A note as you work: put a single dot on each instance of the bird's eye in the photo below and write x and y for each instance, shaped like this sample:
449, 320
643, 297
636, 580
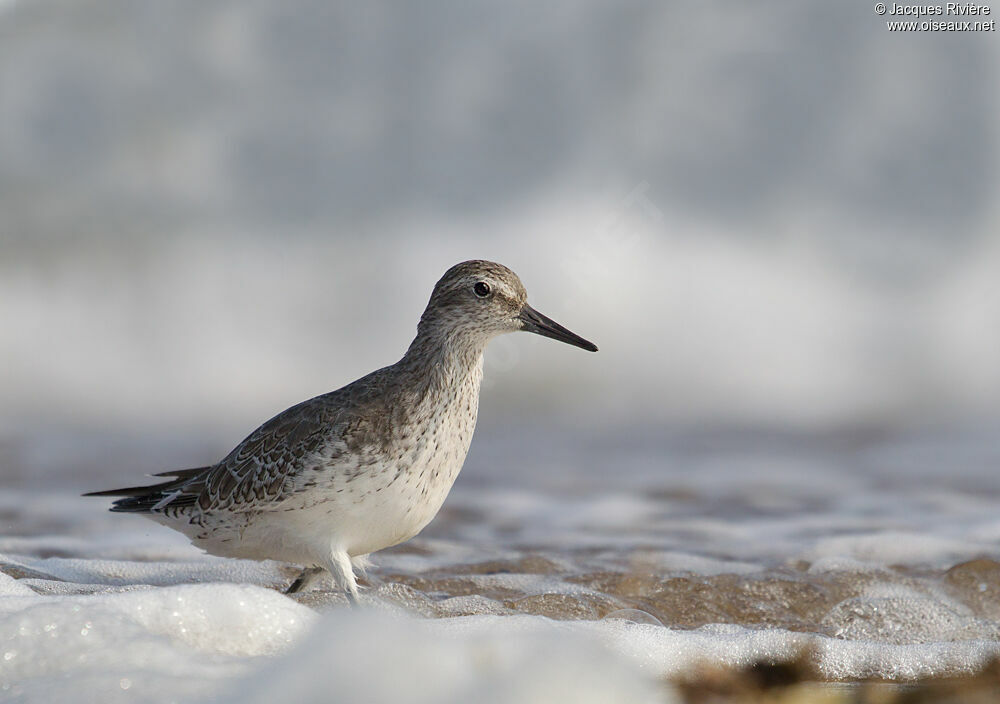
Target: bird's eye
482, 289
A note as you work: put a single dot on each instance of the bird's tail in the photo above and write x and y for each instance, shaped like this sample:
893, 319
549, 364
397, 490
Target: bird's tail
143, 499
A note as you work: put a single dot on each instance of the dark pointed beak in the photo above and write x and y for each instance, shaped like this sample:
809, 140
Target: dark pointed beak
533, 321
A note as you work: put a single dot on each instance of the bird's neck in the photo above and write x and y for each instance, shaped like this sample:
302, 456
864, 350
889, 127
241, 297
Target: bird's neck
445, 362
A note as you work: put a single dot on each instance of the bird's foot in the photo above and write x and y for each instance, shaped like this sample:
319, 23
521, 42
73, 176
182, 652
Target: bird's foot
302, 582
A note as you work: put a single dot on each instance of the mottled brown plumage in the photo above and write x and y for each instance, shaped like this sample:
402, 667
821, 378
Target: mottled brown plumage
364, 467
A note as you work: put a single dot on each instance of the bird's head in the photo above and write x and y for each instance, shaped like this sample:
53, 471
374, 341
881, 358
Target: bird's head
482, 299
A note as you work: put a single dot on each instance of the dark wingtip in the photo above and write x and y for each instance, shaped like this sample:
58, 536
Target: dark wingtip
128, 491
108, 492
180, 477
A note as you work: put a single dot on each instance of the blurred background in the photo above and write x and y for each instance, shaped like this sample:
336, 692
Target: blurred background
776, 216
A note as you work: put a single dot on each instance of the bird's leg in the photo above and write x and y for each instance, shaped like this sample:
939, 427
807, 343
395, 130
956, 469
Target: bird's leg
343, 573
302, 582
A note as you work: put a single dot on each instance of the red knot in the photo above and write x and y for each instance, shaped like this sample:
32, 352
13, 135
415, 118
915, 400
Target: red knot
328, 481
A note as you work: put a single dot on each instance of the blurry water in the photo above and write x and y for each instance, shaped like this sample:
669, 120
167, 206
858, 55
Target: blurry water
887, 537
782, 215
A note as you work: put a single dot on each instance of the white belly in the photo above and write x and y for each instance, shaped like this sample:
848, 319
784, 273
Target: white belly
359, 508
370, 515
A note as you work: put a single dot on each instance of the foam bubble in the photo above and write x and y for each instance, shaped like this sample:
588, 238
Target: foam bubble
364, 657
169, 644
12, 587
156, 573
637, 616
